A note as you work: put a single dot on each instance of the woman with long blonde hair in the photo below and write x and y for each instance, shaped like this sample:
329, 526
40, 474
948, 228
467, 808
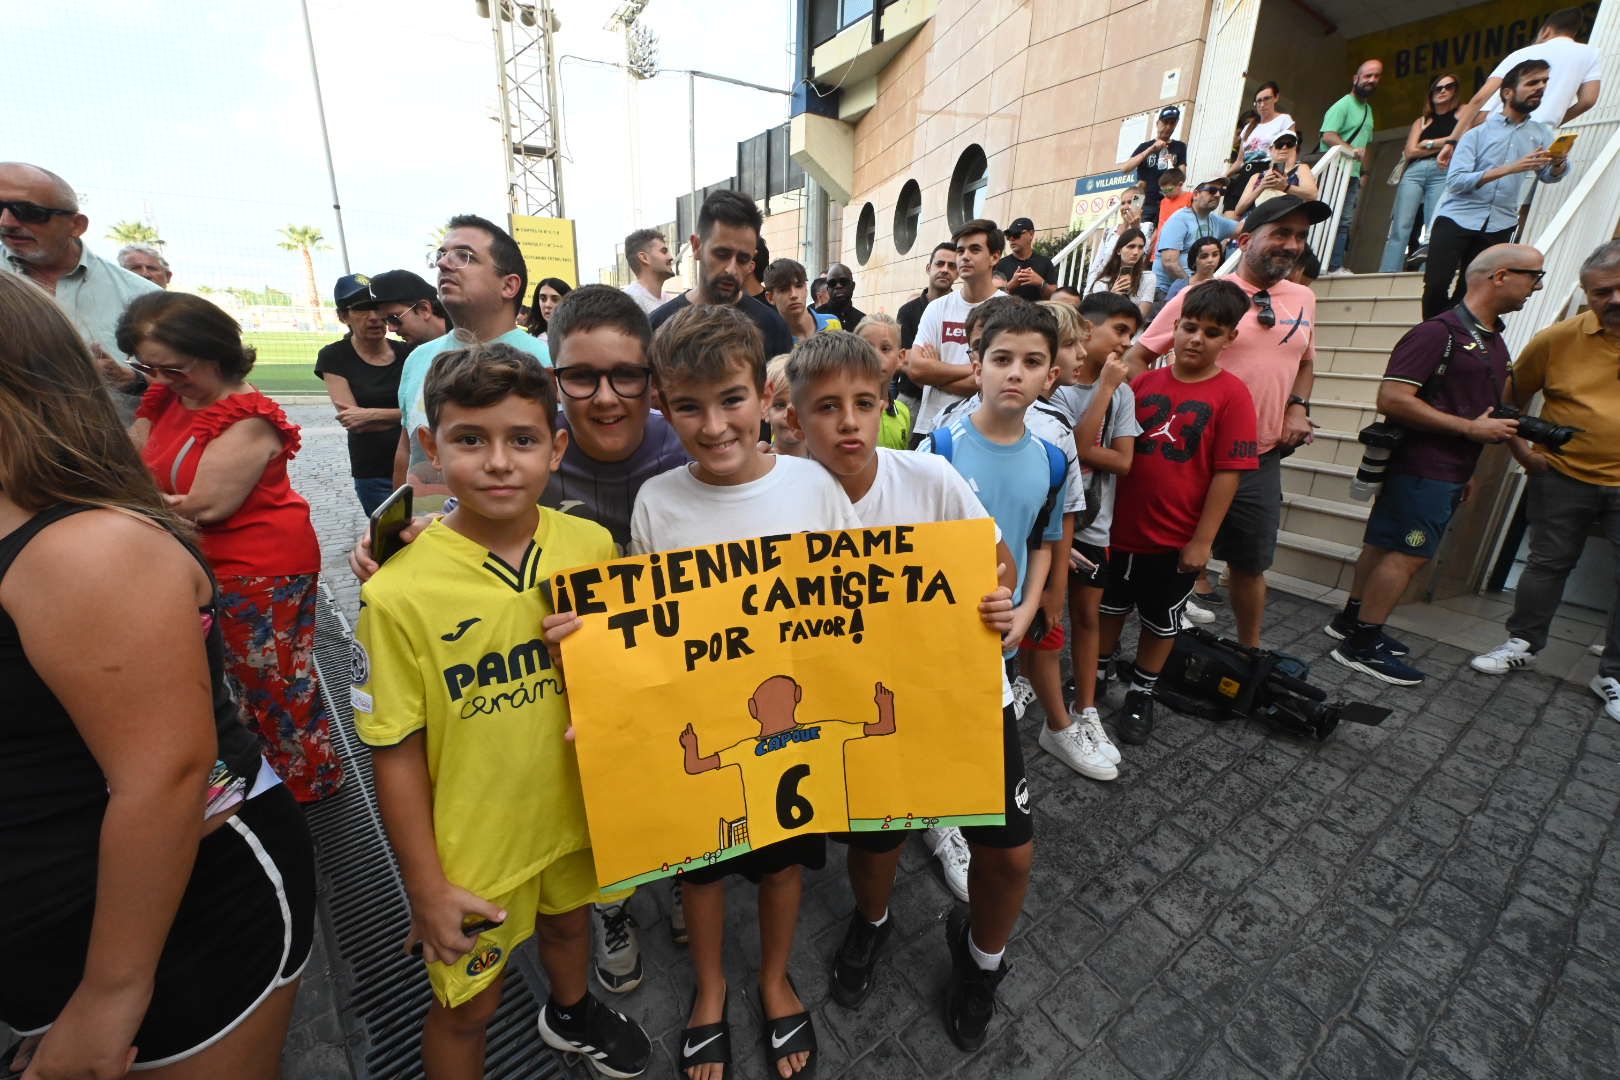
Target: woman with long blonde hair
157, 878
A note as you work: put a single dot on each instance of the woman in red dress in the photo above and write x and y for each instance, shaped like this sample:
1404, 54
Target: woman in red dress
219, 451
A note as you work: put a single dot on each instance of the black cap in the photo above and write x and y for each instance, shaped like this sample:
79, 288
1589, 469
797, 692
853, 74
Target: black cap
401, 287
1019, 226
1280, 207
352, 289
1171, 113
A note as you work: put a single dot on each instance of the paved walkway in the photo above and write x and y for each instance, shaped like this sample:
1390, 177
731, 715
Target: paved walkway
1438, 897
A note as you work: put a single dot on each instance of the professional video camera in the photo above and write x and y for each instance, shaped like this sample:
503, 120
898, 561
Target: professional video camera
1218, 679
1534, 428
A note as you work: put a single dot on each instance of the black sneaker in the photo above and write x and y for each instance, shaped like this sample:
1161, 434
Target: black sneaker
856, 958
614, 1044
1134, 721
970, 999
1379, 663
1341, 626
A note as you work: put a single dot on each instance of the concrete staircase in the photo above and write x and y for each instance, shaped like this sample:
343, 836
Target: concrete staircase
1359, 319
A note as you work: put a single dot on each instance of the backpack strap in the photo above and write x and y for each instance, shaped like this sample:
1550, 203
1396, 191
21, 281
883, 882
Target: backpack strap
1057, 468
939, 442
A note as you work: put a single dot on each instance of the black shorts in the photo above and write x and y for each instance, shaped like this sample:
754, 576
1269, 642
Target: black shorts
808, 851
1096, 554
242, 931
1247, 541
1016, 831
1152, 585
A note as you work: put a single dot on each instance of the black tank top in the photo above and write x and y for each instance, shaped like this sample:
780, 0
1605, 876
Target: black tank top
52, 793
1439, 127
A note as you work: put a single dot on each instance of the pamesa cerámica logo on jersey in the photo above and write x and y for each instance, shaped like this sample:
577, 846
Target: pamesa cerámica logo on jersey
526, 664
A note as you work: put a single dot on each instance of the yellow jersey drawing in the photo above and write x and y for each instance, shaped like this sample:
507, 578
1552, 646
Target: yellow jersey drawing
793, 773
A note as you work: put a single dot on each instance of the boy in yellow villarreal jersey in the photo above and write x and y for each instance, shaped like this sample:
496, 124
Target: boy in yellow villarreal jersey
466, 718
785, 749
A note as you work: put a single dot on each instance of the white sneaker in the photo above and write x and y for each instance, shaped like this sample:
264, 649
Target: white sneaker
1200, 615
1099, 735
1596, 648
952, 852
1340, 272
1023, 695
1075, 747
617, 953
1609, 690
1511, 654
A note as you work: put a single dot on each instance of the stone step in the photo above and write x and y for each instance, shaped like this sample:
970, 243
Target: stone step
1324, 518
1407, 310
1352, 360
1362, 334
1336, 414
1333, 387
1358, 285
1318, 479
1336, 447
1326, 562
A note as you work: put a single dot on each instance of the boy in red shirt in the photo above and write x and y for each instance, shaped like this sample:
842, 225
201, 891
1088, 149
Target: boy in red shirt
1198, 433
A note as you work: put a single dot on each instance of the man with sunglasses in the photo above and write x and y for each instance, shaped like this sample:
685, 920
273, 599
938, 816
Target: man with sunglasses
1274, 354
40, 229
1443, 380
409, 306
1200, 219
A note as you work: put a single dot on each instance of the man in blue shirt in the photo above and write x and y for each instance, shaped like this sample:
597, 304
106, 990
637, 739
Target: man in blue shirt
1485, 184
1186, 225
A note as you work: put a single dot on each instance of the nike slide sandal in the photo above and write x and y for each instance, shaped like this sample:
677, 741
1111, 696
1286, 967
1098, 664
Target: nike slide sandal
705, 1044
786, 1036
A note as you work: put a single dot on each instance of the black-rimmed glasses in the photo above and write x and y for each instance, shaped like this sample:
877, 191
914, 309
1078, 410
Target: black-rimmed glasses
1265, 314
1537, 274
581, 382
32, 213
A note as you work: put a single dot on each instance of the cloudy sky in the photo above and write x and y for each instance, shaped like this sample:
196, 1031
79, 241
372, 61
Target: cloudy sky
200, 117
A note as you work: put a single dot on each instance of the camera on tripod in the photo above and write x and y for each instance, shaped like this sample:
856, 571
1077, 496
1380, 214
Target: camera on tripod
1536, 430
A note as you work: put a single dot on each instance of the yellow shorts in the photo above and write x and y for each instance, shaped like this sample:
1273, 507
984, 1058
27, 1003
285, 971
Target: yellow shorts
563, 886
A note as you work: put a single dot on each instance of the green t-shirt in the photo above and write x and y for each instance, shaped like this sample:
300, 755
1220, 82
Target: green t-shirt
1351, 119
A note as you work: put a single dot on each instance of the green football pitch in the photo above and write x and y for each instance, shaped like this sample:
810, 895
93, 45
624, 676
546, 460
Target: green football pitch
286, 360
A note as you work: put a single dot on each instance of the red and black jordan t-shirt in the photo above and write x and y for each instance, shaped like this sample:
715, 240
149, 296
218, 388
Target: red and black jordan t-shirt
1189, 432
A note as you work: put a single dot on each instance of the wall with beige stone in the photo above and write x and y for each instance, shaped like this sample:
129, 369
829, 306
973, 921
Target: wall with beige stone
1041, 85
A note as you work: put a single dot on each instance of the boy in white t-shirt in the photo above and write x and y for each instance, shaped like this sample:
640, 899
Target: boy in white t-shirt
710, 365
939, 359
838, 397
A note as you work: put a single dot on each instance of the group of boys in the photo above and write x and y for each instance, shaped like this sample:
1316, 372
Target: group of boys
541, 483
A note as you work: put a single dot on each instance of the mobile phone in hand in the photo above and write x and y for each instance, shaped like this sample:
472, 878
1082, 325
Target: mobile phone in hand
388, 521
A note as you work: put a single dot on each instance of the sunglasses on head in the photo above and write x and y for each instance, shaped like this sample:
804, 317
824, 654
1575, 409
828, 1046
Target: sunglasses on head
32, 213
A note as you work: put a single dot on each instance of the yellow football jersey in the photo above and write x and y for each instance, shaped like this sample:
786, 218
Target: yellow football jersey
449, 640
794, 778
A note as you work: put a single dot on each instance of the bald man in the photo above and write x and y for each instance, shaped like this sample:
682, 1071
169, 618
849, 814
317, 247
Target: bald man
1444, 379
40, 229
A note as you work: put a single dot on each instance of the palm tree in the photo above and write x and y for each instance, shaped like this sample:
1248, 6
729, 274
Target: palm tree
435, 239
306, 239
134, 232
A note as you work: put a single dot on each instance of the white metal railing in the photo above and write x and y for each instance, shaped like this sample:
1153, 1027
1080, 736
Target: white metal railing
1075, 259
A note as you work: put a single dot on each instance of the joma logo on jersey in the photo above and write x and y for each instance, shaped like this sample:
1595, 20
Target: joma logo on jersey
524, 660
783, 738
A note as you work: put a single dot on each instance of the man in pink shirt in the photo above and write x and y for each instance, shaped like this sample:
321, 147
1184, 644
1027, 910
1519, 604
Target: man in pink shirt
1273, 354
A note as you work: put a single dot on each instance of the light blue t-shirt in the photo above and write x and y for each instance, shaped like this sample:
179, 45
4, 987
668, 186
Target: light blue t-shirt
1012, 480
413, 375
1179, 233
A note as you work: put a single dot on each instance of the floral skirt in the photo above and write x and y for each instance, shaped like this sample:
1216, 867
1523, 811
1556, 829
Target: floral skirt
269, 627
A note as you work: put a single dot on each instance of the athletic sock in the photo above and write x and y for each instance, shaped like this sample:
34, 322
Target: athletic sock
1364, 636
1143, 681
879, 922
985, 961
1352, 610
570, 1017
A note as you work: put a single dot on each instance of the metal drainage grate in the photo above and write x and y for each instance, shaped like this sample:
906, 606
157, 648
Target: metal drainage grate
383, 994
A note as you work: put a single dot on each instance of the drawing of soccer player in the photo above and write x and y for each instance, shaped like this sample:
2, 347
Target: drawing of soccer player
792, 773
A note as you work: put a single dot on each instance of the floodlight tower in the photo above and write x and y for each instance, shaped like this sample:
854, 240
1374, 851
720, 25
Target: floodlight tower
640, 63
531, 127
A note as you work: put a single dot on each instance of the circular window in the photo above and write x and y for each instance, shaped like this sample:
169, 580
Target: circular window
865, 233
907, 213
969, 182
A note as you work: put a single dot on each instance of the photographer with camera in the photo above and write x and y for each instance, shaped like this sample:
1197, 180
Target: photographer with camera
1574, 364
1441, 395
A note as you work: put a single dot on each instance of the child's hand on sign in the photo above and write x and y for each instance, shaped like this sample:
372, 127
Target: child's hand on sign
438, 920
995, 609
553, 628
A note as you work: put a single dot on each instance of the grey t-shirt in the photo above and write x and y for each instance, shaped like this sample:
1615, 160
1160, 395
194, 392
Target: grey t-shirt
1072, 401
605, 491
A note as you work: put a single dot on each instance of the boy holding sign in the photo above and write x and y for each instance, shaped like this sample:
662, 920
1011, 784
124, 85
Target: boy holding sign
838, 397
466, 718
710, 366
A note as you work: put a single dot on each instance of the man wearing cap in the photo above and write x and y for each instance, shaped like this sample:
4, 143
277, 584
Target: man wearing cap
1154, 157
1274, 354
1021, 271
361, 371
410, 306
40, 227
1193, 222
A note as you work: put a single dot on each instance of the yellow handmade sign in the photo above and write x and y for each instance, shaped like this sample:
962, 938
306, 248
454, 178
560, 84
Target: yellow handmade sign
730, 696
